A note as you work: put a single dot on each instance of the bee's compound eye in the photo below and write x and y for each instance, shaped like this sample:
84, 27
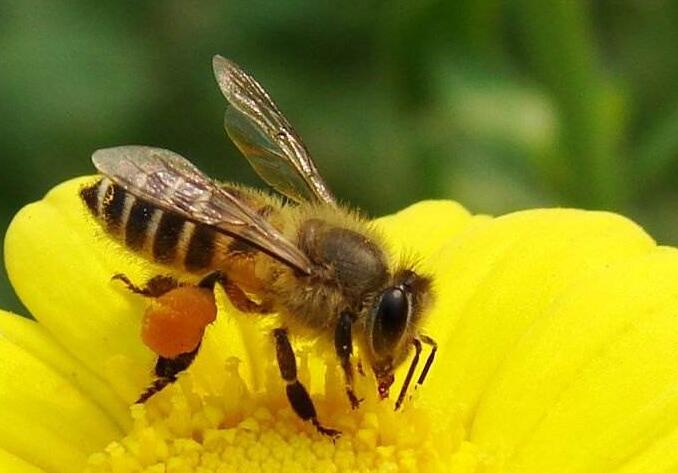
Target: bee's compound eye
390, 320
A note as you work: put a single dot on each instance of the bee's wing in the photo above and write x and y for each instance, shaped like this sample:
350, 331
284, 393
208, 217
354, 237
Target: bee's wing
266, 138
172, 183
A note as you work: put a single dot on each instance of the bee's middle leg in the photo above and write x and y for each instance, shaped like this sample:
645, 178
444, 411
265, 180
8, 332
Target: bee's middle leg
235, 294
343, 345
154, 287
297, 394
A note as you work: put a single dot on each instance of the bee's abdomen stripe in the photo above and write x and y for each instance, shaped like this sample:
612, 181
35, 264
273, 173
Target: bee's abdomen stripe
167, 237
138, 220
90, 195
113, 206
200, 249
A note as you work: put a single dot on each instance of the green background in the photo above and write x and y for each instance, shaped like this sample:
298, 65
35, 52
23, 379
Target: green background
499, 105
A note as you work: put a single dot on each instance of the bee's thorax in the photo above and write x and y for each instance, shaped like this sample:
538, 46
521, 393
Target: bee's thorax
353, 262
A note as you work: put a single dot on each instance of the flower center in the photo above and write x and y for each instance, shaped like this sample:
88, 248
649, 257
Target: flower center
224, 415
238, 430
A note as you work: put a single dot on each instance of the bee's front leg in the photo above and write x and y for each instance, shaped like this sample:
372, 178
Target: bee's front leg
410, 372
343, 345
297, 394
429, 361
416, 342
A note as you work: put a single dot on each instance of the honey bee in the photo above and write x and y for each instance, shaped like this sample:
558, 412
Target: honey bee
318, 267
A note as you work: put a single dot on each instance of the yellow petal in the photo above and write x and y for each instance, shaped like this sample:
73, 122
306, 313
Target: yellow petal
596, 381
44, 418
61, 264
500, 276
13, 464
425, 226
32, 337
660, 456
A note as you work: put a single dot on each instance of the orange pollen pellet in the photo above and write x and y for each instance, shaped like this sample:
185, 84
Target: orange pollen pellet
175, 322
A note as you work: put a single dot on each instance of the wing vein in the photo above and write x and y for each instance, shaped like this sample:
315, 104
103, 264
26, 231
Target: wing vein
172, 183
266, 138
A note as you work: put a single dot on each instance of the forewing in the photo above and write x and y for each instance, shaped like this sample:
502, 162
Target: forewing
172, 183
266, 138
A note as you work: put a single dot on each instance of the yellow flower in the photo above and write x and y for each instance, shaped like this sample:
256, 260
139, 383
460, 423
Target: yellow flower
558, 335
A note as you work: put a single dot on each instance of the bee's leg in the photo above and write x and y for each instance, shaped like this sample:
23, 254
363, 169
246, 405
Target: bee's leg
154, 287
167, 369
429, 361
343, 345
410, 373
297, 394
424, 372
211, 280
236, 295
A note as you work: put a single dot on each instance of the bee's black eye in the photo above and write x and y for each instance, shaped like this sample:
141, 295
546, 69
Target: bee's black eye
390, 320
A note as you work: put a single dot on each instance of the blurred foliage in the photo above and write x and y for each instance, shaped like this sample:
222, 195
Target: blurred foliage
499, 105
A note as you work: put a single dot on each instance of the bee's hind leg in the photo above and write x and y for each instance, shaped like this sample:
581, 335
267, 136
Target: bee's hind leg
166, 370
343, 345
297, 394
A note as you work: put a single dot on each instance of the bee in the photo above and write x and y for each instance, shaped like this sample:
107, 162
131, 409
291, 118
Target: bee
318, 267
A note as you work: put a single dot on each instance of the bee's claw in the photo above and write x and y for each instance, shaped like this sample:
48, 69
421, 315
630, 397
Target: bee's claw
158, 385
123, 278
353, 399
331, 433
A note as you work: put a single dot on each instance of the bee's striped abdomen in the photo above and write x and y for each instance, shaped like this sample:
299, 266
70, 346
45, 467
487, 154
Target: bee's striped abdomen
138, 225
90, 195
108, 202
165, 237
200, 248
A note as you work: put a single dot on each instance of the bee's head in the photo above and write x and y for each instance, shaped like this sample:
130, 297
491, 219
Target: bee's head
392, 324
